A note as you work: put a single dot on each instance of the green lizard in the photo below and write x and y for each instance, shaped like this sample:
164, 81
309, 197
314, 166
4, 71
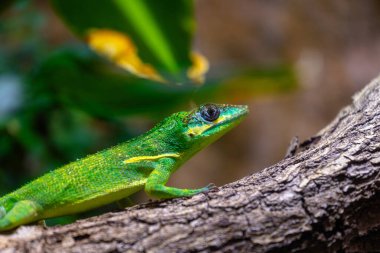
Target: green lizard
145, 162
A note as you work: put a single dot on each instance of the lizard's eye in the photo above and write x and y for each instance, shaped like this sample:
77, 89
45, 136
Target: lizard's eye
210, 112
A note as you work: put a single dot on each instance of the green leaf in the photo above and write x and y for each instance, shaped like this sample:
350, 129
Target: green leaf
161, 31
79, 79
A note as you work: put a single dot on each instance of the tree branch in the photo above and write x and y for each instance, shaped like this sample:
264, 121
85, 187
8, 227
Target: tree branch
325, 198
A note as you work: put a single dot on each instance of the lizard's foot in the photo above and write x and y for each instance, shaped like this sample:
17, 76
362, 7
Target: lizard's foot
23, 212
42, 223
210, 187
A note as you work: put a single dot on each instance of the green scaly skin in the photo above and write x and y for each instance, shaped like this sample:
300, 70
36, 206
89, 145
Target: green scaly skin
145, 162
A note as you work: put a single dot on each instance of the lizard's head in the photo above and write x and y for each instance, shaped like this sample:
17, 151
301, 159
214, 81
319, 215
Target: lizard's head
207, 123
189, 132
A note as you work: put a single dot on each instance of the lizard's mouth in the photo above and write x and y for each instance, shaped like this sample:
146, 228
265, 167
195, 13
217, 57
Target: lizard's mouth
230, 120
229, 117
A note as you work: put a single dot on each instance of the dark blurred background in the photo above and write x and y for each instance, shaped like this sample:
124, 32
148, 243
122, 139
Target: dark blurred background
326, 50
334, 48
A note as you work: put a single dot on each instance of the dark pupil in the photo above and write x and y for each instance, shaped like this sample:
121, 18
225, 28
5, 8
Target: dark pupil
210, 112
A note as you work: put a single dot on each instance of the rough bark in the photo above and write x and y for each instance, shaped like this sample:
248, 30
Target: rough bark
325, 198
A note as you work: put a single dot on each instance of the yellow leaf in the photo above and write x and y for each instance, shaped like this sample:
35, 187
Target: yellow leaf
120, 49
198, 70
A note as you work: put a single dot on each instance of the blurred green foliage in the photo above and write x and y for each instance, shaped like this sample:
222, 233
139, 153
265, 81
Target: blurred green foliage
161, 30
61, 102
82, 80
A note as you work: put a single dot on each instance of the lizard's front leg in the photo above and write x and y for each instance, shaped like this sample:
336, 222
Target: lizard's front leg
155, 185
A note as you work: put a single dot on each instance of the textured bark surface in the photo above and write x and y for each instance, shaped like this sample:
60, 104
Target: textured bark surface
325, 198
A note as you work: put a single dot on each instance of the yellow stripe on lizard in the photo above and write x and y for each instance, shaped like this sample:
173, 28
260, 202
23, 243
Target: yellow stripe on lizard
198, 130
151, 157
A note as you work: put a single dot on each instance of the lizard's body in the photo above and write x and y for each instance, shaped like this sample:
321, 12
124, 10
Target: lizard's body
110, 175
